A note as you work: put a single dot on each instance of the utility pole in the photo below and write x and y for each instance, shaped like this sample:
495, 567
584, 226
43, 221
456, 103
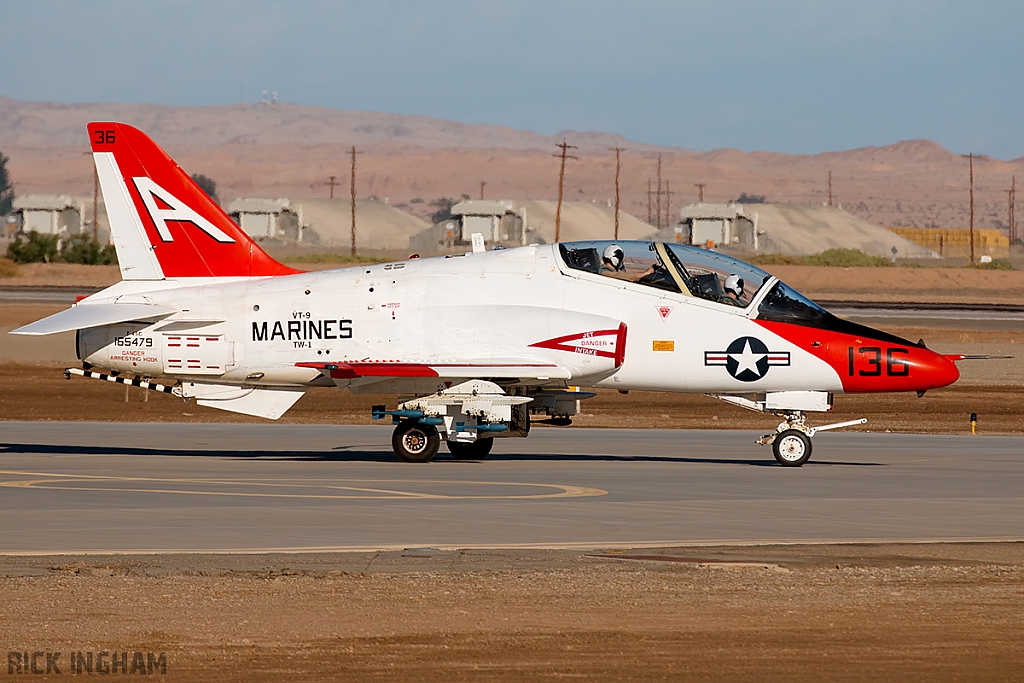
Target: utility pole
617, 150
657, 196
970, 158
650, 216
482, 183
353, 189
1011, 224
565, 147
332, 182
96, 204
700, 192
830, 188
668, 205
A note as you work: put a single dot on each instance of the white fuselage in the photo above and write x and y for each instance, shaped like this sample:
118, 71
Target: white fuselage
486, 310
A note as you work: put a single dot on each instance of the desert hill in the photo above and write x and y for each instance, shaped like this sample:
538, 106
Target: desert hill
285, 150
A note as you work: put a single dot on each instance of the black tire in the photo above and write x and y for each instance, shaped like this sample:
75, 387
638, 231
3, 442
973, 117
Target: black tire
477, 450
415, 442
792, 448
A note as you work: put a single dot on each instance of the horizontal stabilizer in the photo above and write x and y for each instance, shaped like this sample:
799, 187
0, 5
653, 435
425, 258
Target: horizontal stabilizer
83, 316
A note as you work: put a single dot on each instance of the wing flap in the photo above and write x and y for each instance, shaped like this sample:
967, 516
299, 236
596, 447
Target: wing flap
84, 316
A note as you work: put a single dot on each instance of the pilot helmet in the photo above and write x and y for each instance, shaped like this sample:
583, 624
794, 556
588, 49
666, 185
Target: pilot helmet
734, 284
613, 256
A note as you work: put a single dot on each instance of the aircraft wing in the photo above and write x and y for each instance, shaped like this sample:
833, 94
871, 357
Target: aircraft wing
93, 315
510, 368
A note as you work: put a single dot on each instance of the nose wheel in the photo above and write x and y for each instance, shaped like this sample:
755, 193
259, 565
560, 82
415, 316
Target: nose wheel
792, 448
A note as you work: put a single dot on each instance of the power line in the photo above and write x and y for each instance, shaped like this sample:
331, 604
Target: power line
332, 182
830, 188
565, 147
353, 190
617, 150
482, 183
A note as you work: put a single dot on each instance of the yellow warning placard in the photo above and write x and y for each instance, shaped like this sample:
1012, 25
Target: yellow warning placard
664, 345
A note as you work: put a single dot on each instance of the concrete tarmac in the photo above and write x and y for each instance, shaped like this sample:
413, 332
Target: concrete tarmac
92, 487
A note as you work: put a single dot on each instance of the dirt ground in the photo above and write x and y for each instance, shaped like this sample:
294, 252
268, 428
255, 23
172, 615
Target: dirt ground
946, 612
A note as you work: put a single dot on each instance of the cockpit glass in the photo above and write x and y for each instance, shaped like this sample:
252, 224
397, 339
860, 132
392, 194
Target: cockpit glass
785, 304
717, 277
637, 262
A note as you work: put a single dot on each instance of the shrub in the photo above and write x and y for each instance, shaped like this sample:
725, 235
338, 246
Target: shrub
36, 249
845, 258
84, 249
996, 264
775, 260
81, 248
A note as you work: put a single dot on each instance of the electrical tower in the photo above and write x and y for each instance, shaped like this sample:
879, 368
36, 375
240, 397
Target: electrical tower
700, 192
565, 147
482, 183
352, 187
617, 150
830, 188
332, 182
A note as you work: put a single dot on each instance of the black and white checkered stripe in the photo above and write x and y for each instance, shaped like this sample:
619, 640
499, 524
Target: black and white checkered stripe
135, 382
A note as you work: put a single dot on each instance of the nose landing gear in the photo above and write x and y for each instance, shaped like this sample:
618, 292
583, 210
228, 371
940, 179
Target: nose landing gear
791, 440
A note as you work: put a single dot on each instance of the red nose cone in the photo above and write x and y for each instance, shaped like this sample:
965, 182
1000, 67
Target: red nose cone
935, 370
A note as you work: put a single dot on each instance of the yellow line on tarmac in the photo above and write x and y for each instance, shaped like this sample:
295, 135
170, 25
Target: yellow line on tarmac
54, 481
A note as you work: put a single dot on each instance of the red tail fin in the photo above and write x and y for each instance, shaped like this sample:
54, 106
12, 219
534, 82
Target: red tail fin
162, 224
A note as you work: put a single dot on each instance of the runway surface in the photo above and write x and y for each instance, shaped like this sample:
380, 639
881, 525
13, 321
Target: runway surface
90, 487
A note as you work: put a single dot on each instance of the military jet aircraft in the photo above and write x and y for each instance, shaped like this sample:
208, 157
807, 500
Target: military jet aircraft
474, 346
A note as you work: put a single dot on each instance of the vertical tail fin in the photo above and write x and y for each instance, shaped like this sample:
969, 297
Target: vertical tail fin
162, 224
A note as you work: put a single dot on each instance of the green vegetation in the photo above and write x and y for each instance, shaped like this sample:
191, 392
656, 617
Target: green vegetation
335, 258
6, 188
846, 258
836, 258
996, 264
36, 249
81, 248
775, 260
84, 249
9, 268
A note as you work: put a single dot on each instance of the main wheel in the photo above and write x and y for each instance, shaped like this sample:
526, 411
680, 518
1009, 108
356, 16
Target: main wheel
415, 442
477, 450
792, 448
